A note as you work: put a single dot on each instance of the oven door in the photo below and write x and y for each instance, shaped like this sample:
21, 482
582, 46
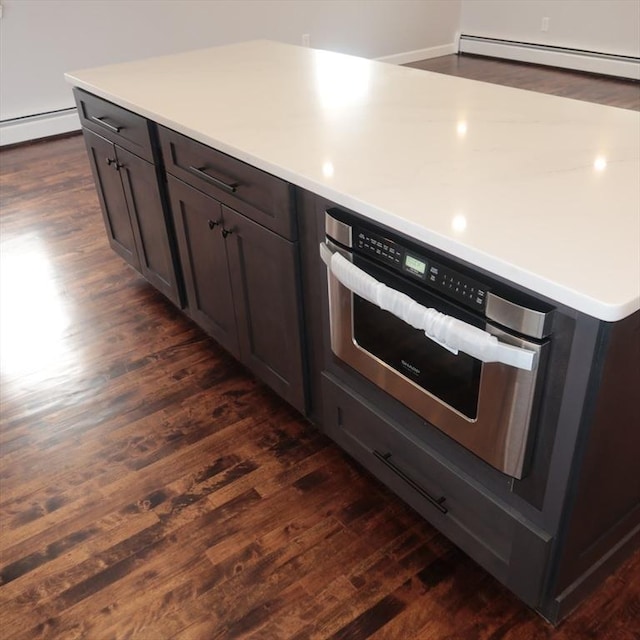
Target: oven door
485, 406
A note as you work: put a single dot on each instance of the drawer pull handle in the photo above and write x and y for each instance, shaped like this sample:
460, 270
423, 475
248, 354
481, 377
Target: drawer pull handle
104, 124
230, 188
213, 223
438, 503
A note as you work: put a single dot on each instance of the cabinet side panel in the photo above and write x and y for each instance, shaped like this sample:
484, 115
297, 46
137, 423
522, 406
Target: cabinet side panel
310, 226
607, 491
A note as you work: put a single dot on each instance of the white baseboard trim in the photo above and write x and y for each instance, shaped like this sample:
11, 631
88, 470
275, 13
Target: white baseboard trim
613, 65
421, 54
40, 126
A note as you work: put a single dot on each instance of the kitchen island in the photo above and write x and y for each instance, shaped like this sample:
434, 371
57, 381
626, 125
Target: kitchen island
530, 190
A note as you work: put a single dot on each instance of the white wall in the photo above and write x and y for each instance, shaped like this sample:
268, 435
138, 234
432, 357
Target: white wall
604, 26
41, 39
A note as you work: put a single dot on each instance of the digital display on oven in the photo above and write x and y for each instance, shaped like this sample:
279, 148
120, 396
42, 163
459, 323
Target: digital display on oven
414, 265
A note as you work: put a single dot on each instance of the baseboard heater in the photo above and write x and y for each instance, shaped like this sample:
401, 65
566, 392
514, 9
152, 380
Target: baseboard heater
578, 59
40, 125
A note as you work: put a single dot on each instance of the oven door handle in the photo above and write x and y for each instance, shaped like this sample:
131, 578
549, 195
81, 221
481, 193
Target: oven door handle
447, 331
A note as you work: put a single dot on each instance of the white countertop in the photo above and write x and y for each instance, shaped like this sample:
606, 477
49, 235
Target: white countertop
541, 190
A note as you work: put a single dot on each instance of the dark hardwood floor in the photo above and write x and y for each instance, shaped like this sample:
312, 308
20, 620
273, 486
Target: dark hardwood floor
151, 489
607, 90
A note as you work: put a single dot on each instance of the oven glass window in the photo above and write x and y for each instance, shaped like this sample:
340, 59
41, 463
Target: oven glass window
455, 380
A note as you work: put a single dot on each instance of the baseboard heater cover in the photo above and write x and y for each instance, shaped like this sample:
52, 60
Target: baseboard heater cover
41, 125
577, 59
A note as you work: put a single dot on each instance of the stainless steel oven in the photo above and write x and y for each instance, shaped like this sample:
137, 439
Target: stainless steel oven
465, 353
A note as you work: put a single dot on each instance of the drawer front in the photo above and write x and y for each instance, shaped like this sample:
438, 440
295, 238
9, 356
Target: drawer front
485, 529
129, 130
260, 196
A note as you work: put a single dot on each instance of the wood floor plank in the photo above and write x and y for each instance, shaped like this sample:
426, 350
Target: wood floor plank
151, 488
117, 494
614, 92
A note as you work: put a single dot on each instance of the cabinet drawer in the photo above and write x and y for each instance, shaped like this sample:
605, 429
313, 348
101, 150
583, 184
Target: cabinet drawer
509, 547
255, 193
127, 129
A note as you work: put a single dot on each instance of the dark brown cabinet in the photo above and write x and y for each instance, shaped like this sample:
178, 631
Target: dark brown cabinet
235, 232
117, 221
242, 287
263, 270
135, 217
258, 195
509, 546
219, 230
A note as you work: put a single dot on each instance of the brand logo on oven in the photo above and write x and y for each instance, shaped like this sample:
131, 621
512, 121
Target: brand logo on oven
410, 368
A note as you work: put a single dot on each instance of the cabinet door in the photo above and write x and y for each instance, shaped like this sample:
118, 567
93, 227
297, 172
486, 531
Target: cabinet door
197, 219
102, 156
148, 221
264, 276
493, 533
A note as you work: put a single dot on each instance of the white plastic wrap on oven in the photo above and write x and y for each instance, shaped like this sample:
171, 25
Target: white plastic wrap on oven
450, 333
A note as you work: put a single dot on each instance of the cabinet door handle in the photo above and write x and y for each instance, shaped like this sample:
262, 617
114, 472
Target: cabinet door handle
106, 125
226, 232
111, 161
213, 223
230, 188
436, 502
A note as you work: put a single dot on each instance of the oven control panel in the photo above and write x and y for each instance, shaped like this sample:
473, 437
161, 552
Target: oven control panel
457, 286
380, 248
447, 281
